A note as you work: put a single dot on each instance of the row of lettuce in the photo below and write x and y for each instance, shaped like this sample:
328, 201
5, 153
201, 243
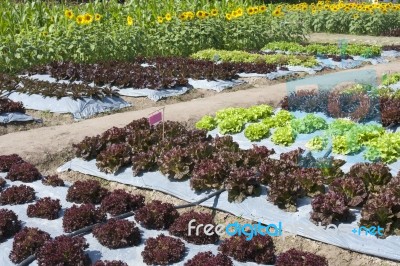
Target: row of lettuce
219, 163
90, 205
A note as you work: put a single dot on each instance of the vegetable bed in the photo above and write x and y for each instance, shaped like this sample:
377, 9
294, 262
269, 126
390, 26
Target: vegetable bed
254, 181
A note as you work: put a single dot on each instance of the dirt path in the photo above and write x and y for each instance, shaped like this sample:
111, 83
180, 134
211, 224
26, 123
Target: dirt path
37, 144
362, 39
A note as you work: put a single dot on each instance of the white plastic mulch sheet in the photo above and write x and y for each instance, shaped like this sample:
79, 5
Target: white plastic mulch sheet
390, 53
130, 255
258, 208
79, 108
282, 73
15, 117
154, 95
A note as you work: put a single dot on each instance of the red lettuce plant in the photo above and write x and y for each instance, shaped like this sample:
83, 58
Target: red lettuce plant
329, 208
110, 263
259, 249
89, 147
209, 174
114, 135
45, 208
52, 180
256, 155
163, 250
119, 201
89, 191
382, 210
242, 183
27, 242
2, 183
17, 195
208, 258
117, 234
295, 257
114, 157
156, 215
225, 143
284, 190
374, 175
78, 217
311, 180
9, 106
64, 250
24, 172
352, 188
176, 163
7, 161
9, 224
180, 228
143, 162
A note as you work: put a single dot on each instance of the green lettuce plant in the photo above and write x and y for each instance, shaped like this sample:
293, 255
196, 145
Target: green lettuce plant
207, 123
256, 132
284, 136
317, 143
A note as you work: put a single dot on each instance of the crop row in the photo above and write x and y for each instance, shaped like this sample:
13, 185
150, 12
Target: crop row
158, 73
241, 56
219, 163
8, 106
326, 49
359, 102
115, 233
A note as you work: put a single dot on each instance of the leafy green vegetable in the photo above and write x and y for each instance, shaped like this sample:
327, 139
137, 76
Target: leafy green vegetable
207, 123
256, 132
282, 118
257, 112
309, 124
228, 113
317, 143
284, 135
391, 79
231, 125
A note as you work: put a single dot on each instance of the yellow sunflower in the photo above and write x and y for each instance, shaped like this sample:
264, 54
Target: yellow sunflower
234, 14
262, 8
239, 12
228, 16
250, 11
97, 17
214, 12
190, 15
277, 13
183, 16
69, 14
160, 19
80, 19
87, 18
168, 17
129, 21
201, 14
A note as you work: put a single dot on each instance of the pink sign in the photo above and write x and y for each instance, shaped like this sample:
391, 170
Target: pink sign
155, 118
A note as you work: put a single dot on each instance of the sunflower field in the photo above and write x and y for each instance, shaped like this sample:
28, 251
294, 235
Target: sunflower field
37, 32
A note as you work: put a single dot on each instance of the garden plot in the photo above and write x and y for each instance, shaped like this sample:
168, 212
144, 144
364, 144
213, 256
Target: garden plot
243, 200
130, 255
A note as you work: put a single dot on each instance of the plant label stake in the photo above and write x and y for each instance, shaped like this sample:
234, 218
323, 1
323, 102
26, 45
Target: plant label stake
156, 117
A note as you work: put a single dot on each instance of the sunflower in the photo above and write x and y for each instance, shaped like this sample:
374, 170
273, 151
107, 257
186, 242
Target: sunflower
168, 17
239, 12
190, 15
334, 9
250, 11
160, 19
69, 14
129, 21
228, 16
87, 18
234, 14
200, 14
262, 8
80, 19
277, 13
214, 12
97, 17
183, 16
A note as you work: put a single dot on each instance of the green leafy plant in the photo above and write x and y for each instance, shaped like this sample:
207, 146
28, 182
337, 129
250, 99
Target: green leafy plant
207, 123
256, 132
309, 124
317, 143
231, 125
284, 136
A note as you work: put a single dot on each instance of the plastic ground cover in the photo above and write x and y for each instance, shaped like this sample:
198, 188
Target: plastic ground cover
258, 208
6, 118
79, 108
131, 255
